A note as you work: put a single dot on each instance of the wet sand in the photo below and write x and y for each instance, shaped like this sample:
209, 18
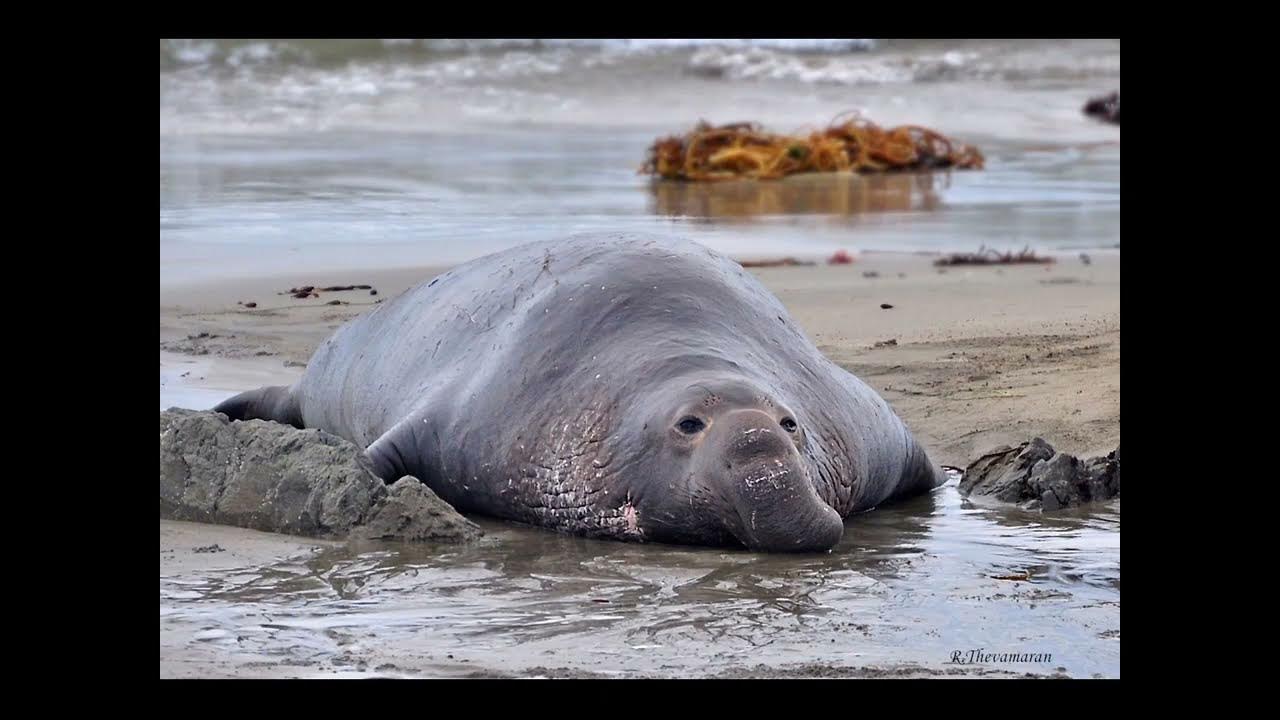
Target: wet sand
981, 356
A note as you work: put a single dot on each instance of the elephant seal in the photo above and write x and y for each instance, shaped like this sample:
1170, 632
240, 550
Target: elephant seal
628, 386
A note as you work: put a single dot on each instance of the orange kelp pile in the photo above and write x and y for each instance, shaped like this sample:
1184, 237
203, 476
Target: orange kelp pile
744, 150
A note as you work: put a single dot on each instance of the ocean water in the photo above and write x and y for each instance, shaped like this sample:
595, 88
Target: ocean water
365, 154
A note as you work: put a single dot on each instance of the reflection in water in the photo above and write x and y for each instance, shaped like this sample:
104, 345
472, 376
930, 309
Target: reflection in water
840, 194
909, 583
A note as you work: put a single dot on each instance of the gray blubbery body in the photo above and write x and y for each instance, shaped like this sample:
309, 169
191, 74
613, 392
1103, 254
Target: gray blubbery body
547, 384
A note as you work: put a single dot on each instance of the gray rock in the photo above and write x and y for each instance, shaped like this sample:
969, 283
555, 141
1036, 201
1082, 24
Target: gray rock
1035, 476
1056, 476
411, 511
1049, 501
1002, 473
267, 476
1098, 478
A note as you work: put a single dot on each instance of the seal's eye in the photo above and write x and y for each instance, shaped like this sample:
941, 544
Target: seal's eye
788, 424
690, 425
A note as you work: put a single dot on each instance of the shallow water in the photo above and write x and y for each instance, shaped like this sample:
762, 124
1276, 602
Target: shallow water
910, 584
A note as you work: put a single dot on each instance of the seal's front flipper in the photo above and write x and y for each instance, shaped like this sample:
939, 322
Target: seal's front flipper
396, 454
268, 403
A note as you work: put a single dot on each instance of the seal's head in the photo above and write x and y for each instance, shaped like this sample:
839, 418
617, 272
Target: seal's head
729, 456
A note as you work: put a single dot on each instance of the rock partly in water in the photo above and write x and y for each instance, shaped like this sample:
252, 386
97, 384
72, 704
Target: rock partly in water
268, 476
1105, 108
1035, 476
1002, 473
411, 511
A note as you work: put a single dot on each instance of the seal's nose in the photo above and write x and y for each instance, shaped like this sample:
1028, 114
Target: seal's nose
754, 436
777, 508
784, 514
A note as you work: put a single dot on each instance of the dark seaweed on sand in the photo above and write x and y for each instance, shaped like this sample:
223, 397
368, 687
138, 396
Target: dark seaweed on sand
988, 256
